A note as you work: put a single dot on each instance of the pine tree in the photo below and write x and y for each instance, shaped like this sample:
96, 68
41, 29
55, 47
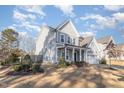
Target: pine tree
8, 41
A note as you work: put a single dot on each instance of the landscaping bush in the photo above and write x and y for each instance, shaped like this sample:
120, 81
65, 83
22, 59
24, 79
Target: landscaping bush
13, 58
103, 61
36, 67
63, 63
80, 63
17, 68
26, 63
5, 63
68, 63
27, 60
26, 67
2, 63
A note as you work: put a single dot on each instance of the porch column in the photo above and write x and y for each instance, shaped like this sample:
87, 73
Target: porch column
65, 53
56, 54
73, 55
86, 55
80, 55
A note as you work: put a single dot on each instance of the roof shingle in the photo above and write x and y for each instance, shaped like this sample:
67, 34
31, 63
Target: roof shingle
104, 40
85, 41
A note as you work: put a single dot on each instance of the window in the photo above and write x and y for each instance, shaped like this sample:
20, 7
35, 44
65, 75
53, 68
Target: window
69, 40
62, 38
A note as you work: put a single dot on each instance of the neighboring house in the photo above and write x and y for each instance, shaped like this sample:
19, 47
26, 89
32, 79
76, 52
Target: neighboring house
92, 52
120, 51
65, 41
105, 44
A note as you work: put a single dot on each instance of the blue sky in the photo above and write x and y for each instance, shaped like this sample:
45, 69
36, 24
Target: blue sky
89, 20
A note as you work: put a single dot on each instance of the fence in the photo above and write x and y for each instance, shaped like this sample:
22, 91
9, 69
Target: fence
114, 62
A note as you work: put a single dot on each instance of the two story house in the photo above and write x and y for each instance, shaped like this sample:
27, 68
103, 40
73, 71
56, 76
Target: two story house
65, 41
106, 43
119, 51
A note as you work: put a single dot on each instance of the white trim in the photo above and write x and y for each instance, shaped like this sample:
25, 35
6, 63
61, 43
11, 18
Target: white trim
57, 39
65, 53
73, 50
80, 55
56, 54
62, 24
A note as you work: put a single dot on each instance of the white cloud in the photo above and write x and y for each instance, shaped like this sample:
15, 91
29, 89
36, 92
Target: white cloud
101, 21
22, 33
31, 27
33, 9
122, 35
28, 26
12, 27
24, 21
119, 16
66, 9
113, 7
44, 23
93, 27
88, 33
21, 16
31, 16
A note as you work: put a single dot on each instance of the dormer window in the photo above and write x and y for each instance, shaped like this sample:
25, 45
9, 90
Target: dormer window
62, 38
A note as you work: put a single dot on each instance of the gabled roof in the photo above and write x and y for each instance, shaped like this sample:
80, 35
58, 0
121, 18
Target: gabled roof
62, 25
85, 41
119, 47
105, 40
65, 23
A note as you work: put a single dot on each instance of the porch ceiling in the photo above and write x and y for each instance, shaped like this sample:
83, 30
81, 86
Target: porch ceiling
71, 46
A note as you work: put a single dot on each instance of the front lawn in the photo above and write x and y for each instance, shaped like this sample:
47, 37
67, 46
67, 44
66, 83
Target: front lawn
71, 76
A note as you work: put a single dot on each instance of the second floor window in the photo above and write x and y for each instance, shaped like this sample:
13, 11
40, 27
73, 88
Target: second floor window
62, 38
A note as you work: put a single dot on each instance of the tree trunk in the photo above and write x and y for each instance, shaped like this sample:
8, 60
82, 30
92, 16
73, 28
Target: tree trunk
110, 62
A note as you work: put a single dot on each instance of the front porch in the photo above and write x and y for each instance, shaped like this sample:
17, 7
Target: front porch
70, 53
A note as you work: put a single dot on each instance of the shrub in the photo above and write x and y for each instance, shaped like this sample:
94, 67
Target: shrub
13, 58
26, 67
62, 63
36, 67
27, 60
68, 63
80, 63
103, 61
4, 63
17, 68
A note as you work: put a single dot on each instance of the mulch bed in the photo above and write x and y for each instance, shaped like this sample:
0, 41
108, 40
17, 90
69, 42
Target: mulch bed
22, 73
3, 67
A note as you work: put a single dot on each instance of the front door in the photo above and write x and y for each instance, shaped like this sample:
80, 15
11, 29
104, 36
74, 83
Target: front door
75, 56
